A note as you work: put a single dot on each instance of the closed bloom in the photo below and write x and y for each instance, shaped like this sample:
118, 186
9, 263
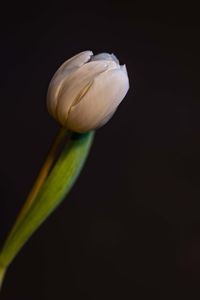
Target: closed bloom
86, 90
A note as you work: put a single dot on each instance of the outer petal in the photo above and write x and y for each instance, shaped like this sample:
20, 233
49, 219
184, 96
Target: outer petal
100, 101
105, 56
76, 84
76, 61
65, 70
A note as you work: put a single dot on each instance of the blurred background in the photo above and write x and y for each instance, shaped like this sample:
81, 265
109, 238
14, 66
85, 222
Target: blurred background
130, 228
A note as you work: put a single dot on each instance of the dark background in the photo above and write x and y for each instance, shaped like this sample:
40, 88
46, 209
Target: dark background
130, 228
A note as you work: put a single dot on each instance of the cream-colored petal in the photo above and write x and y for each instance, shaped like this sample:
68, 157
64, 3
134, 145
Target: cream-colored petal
102, 98
106, 118
62, 73
76, 84
77, 60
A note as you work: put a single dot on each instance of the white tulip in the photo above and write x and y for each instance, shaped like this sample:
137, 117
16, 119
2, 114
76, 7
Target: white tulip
86, 90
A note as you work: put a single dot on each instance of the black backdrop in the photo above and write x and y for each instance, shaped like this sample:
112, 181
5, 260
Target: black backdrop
130, 228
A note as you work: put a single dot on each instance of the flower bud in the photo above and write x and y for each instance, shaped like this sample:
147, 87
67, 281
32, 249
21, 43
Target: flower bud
86, 90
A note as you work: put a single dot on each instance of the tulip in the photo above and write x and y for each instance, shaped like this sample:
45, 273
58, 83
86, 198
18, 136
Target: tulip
83, 95
86, 90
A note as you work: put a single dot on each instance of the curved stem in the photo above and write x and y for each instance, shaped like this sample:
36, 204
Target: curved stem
2, 274
43, 173
57, 185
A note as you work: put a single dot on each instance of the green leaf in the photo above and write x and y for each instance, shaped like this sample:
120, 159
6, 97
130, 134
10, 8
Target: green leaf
54, 190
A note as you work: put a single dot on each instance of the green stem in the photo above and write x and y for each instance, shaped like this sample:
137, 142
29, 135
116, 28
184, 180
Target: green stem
44, 171
53, 191
2, 274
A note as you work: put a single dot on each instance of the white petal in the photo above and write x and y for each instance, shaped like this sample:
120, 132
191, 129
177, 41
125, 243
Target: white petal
115, 58
65, 70
105, 56
123, 68
76, 84
100, 101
